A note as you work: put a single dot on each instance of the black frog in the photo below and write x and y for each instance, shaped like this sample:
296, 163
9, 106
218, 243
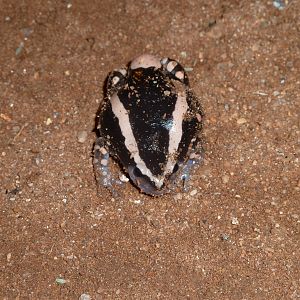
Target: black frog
151, 123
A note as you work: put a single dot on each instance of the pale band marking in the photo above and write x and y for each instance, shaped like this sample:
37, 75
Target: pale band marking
179, 75
122, 114
175, 133
171, 65
145, 61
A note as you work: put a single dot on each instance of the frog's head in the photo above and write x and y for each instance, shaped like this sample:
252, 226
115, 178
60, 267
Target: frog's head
144, 183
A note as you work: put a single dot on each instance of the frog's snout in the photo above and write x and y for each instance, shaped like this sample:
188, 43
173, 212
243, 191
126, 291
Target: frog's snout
143, 182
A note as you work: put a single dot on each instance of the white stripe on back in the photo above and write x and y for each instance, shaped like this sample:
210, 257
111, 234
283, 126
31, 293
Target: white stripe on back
122, 114
175, 133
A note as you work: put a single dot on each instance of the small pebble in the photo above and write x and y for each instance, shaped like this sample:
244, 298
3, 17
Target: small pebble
280, 4
56, 114
60, 281
38, 160
241, 121
20, 48
193, 192
36, 75
201, 56
49, 121
183, 54
82, 136
234, 221
137, 201
123, 178
225, 237
85, 297
178, 196
5, 117
225, 178
8, 257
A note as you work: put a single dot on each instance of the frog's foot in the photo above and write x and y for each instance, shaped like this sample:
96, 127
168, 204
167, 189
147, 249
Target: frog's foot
195, 159
174, 70
186, 173
101, 168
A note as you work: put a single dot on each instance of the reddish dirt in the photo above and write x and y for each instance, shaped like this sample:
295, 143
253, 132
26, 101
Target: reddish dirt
234, 235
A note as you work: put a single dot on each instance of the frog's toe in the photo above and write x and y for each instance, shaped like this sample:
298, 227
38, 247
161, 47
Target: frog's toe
101, 163
101, 167
186, 173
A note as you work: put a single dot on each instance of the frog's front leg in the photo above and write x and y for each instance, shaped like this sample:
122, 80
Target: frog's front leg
196, 157
102, 170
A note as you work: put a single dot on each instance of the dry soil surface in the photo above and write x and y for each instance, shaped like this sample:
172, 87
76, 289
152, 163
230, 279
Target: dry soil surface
233, 235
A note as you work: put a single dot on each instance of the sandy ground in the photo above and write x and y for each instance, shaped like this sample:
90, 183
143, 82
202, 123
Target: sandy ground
233, 235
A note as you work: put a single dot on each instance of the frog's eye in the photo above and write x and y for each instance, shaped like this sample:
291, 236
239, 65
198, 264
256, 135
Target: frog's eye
115, 81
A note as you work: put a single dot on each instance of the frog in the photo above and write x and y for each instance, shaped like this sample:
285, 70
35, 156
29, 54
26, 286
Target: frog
150, 123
